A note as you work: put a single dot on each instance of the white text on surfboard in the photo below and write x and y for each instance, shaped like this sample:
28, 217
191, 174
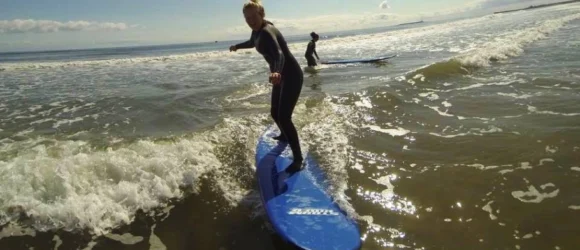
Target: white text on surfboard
312, 211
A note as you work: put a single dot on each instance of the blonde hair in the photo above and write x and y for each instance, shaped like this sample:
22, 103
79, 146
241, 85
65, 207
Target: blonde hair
255, 4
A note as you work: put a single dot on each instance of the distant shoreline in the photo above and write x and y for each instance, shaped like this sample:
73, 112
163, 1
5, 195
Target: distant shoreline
410, 23
537, 6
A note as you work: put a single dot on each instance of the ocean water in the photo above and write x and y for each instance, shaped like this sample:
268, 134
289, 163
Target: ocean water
469, 139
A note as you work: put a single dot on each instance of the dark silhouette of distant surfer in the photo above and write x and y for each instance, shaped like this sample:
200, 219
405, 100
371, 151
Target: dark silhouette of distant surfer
311, 49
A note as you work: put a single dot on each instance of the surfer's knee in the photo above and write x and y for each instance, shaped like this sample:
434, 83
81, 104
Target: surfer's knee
284, 116
285, 119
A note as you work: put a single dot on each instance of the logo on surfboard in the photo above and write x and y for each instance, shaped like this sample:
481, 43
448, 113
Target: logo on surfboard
312, 211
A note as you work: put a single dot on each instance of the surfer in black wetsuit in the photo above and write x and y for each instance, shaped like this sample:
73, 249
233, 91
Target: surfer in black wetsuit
285, 75
312, 49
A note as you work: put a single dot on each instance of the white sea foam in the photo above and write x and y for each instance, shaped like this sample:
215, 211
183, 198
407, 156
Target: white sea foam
392, 132
512, 44
66, 184
533, 195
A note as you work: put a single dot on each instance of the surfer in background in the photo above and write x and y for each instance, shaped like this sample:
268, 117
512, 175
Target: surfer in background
312, 49
285, 75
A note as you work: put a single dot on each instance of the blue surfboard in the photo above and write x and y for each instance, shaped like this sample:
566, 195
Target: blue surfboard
367, 60
297, 205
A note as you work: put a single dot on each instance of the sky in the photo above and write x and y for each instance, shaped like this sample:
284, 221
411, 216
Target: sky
75, 24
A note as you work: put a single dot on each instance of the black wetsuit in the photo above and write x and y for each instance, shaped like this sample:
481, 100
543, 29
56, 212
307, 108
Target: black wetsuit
271, 44
309, 50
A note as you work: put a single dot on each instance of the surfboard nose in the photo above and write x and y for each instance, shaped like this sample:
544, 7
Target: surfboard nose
325, 230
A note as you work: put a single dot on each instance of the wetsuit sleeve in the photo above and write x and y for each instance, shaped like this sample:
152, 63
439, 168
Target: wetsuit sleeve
274, 51
247, 44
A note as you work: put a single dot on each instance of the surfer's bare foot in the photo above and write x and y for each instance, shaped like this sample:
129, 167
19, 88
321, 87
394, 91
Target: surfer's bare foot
280, 138
295, 166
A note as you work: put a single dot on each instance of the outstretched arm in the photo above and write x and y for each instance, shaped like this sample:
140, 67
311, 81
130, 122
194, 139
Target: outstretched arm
316, 54
245, 45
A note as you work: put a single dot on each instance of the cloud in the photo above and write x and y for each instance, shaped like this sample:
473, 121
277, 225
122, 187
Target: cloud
328, 23
384, 5
47, 26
